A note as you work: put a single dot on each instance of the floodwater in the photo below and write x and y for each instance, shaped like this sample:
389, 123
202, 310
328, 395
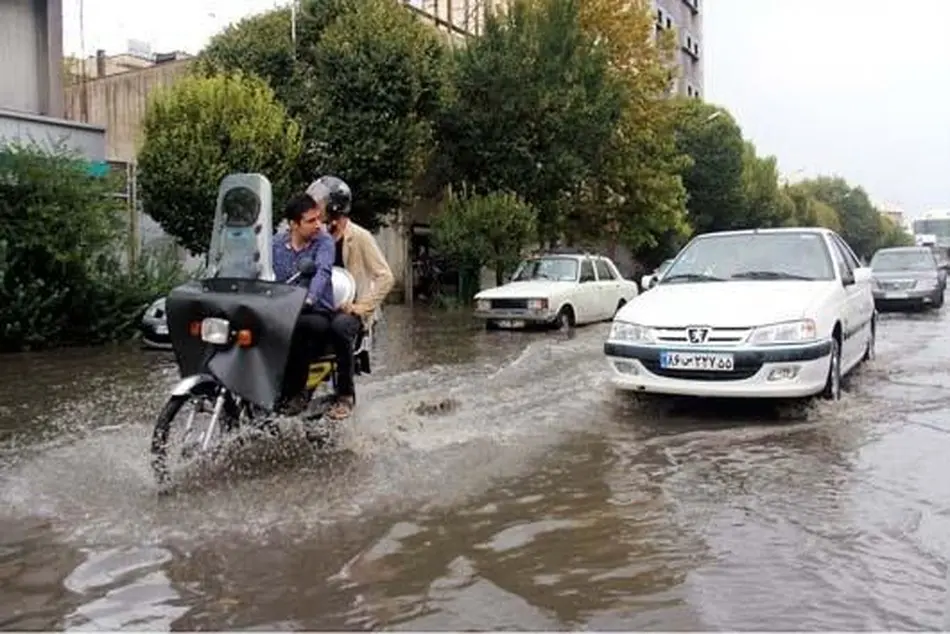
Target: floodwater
542, 500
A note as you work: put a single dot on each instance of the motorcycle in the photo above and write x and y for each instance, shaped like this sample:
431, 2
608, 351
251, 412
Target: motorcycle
231, 334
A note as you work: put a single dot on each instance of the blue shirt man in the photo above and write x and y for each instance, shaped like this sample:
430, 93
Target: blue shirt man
306, 237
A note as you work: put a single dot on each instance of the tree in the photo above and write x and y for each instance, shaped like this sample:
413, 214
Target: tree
474, 231
364, 84
766, 204
891, 234
534, 110
380, 79
808, 211
200, 130
637, 196
860, 224
62, 280
713, 140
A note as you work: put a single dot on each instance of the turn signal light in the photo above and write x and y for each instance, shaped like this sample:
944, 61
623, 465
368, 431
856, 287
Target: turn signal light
244, 338
194, 329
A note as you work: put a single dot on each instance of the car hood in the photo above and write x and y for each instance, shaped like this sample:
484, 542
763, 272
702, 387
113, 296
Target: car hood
904, 275
726, 304
525, 290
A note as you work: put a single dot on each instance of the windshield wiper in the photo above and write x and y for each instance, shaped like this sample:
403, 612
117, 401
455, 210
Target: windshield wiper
770, 275
692, 277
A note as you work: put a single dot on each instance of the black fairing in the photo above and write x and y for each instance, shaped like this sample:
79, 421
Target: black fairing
268, 309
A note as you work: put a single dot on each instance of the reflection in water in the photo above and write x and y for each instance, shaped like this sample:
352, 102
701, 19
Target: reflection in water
542, 500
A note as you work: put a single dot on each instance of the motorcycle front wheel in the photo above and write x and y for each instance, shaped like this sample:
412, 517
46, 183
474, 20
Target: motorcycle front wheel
167, 456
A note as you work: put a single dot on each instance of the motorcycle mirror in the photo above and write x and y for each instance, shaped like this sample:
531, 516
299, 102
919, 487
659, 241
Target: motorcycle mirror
306, 267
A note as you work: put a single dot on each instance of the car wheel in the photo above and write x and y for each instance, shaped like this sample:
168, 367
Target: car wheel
832, 391
564, 319
620, 305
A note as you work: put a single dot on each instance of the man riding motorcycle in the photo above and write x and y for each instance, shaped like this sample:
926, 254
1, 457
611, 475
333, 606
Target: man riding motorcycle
358, 252
306, 237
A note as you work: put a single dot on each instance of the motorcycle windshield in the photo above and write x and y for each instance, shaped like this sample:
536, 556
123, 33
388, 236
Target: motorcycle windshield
269, 310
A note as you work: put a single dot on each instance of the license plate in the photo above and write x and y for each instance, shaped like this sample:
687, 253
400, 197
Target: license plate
161, 330
511, 323
896, 295
699, 361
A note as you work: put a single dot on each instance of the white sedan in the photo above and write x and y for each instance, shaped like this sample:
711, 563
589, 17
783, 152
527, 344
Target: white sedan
771, 313
562, 290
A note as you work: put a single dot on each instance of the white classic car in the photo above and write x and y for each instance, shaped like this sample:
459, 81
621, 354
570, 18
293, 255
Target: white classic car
771, 313
562, 290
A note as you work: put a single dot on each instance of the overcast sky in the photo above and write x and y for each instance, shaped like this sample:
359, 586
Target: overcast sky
855, 87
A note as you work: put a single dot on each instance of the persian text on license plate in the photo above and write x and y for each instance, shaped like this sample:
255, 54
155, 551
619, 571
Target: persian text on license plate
511, 323
896, 295
700, 361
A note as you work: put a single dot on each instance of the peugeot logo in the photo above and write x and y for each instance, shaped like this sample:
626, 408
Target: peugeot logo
697, 334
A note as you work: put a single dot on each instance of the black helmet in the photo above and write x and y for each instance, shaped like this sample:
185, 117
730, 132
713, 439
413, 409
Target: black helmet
336, 192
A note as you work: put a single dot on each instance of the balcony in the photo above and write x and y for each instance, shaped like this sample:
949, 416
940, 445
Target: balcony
690, 46
693, 6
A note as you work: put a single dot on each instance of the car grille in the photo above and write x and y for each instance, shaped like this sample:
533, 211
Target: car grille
897, 285
741, 371
504, 304
716, 336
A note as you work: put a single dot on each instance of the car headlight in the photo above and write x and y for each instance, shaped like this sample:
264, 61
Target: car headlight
926, 285
623, 332
537, 304
786, 332
483, 304
156, 309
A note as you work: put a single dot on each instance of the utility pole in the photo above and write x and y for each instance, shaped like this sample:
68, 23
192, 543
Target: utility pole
293, 25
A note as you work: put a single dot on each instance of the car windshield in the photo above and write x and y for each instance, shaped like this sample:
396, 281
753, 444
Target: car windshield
559, 269
753, 256
902, 261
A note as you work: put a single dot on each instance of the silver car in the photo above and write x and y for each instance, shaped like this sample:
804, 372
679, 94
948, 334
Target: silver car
907, 277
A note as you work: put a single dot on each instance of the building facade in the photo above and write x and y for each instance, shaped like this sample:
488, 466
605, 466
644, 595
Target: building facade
31, 81
686, 18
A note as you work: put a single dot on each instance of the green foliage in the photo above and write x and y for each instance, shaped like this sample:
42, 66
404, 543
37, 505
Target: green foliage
381, 75
860, 224
474, 231
534, 111
636, 197
61, 278
714, 181
200, 130
365, 86
891, 234
765, 202
808, 211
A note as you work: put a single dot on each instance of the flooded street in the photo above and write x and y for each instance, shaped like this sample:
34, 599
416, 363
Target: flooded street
543, 500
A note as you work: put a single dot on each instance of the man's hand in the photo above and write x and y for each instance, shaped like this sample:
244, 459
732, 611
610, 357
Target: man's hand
357, 310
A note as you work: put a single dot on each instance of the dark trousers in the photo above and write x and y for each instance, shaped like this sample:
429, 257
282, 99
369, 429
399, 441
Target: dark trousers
344, 329
313, 330
310, 333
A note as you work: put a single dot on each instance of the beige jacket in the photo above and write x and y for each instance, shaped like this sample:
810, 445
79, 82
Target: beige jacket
365, 261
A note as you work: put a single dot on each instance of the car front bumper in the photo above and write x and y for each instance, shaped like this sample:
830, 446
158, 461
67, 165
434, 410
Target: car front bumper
155, 334
774, 372
528, 316
916, 297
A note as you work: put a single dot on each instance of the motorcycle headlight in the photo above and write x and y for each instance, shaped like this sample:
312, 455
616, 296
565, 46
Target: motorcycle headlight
797, 331
215, 330
623, 332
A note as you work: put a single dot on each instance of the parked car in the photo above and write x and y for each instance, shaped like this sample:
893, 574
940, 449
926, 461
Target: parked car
907, 277
770, 313
649, 281
556, 289
154, 327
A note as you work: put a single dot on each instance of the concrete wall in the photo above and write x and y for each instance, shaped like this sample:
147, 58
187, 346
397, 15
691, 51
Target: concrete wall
118, 103
31, 53
89, 141
686, 16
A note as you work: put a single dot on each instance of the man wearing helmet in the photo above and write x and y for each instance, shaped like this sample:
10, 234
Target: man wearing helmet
358, 252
